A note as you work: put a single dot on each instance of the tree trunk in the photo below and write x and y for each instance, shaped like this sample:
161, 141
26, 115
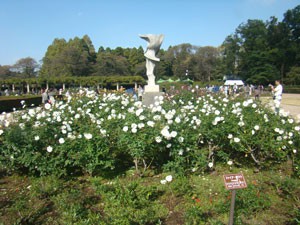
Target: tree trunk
28, 89
136, 163
282, 72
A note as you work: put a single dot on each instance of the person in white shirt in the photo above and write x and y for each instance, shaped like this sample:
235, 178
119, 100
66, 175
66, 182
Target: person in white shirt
140, 92
277, 95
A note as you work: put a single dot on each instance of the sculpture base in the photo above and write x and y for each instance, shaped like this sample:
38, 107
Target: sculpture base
149, 97
151, 88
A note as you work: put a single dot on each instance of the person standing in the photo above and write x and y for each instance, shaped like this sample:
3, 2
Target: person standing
277, 95
235, 88
140, 92
45, 96
247, 90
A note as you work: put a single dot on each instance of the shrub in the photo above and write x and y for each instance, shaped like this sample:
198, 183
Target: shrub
97, 133
131, 203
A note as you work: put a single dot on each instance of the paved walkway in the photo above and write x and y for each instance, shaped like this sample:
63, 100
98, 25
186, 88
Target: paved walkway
291, 104
293, 110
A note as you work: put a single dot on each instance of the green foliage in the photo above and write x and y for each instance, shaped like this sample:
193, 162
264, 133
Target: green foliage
26, 67
131, 203
293, 77
72, 58
95, 134
271, 197
261, 52
45, 187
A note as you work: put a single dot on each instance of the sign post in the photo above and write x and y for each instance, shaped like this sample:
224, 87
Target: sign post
233, 182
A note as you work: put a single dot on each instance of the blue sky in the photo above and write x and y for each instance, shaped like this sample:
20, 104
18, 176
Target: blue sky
28, 27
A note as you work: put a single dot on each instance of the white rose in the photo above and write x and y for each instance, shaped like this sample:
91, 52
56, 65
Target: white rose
49, 149
150, 123
236, 139
88, 136
169, 178
125, 129
163, 181
141, 125
180, 139
133, 130
61, 141
47, 106
177, 120
158, 139
173, 134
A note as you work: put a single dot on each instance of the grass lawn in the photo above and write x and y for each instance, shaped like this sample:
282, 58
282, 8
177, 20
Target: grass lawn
272, 197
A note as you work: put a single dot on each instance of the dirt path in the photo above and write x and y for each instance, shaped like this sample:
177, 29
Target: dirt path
291, 104
293, 110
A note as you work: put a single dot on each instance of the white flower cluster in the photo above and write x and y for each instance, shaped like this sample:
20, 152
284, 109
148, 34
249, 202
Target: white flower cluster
167, 134
168, 178
88, 116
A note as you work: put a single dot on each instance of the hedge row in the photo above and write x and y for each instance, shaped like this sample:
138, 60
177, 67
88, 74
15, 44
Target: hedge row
292, 89
91, 80
8, 105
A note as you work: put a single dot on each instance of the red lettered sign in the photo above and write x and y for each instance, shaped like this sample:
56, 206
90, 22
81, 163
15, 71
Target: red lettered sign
234, 181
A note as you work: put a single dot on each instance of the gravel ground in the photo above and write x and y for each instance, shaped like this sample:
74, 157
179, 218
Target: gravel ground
291, 104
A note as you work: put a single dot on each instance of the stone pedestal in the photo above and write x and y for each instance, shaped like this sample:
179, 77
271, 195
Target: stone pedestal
151, 88
148, 97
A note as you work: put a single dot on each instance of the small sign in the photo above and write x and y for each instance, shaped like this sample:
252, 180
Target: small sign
234, 181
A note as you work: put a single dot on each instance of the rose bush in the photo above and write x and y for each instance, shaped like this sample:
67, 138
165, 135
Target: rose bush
90, 133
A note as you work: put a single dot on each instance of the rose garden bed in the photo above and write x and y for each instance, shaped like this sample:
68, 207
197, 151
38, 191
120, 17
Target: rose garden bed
102, 157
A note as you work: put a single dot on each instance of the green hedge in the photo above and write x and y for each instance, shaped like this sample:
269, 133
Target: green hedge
291, 89
7, 105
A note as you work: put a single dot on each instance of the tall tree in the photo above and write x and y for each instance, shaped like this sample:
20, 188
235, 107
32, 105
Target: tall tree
292, 21
206, 60
6, 72
256, 65
109, 64
180, 56
26, 67
230, 50
89, 47
53, 61
77, 58
73, 58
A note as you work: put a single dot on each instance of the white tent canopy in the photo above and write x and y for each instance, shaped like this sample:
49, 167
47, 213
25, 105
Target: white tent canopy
233, 82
